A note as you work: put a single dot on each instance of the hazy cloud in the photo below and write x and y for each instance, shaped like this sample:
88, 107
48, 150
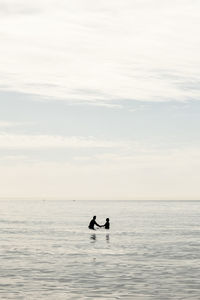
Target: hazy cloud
173, 175
7, 124
14, 141
115, 54
101, 50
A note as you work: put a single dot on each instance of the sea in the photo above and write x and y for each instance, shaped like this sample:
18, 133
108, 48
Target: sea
152, 250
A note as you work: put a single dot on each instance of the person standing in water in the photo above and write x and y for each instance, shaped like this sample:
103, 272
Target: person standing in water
92, 223
107, 224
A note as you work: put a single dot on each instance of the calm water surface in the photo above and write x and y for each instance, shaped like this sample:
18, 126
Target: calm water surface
152, 250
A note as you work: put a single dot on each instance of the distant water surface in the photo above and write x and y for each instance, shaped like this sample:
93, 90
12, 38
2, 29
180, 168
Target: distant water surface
152, 250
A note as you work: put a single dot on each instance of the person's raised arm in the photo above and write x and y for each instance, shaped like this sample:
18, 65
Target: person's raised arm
97, 224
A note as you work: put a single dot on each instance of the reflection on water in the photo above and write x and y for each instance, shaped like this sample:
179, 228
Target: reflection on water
93, 237
108, 238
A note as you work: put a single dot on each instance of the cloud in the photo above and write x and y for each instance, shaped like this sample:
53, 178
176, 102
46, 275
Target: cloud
124, 154
98, 51
146, 157
19, 7
20, 141
154, 175
7, 124
4, 159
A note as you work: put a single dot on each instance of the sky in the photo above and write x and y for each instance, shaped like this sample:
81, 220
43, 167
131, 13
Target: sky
100, 99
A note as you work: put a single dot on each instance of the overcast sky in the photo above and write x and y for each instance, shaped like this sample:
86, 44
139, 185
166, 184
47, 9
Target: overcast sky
100, 99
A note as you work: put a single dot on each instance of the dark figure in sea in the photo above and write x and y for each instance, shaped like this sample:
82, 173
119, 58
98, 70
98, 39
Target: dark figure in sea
92, 223
107, 224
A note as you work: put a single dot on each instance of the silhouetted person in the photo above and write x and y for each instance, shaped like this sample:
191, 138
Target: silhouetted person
107, 224
92, 223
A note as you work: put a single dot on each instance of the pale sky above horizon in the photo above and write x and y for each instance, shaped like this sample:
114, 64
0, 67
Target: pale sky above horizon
100, 99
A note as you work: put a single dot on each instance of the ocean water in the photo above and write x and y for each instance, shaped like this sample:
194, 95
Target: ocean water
152, 250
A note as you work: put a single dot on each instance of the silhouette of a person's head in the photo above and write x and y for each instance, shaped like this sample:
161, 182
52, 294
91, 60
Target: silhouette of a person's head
107, 219
94, 217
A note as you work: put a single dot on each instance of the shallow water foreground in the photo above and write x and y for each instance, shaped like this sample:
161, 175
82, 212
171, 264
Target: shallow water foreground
152, 250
